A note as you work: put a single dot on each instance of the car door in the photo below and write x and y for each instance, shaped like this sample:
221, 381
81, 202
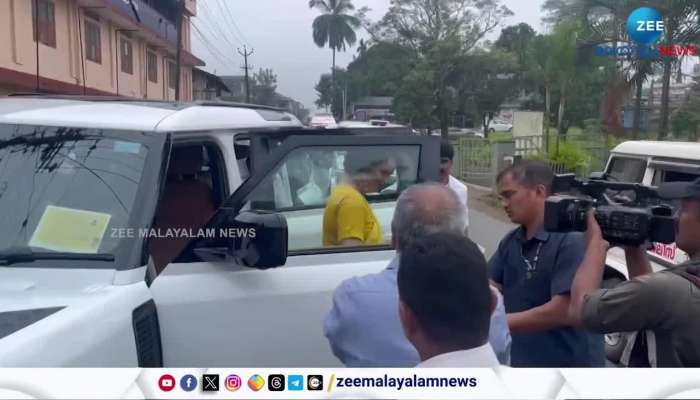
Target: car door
219, 313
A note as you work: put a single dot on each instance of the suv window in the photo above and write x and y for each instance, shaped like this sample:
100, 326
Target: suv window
627, 169
301, 184
662, 176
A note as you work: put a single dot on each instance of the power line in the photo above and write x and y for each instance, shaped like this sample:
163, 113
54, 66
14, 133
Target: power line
211, 22
232, 23
212, 48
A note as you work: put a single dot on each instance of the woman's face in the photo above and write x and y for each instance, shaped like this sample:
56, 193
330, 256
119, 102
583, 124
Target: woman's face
376, 177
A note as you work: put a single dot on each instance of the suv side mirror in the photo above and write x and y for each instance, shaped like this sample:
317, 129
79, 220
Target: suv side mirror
255, 239
260, 239
597, 175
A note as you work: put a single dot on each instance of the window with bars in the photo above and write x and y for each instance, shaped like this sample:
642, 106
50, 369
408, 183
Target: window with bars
152, 66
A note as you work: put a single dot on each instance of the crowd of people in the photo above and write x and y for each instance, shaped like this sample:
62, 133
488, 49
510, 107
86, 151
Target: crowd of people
537, 302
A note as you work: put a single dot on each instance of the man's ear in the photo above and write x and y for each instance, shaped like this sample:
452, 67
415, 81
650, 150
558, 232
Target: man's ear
541, 191
494, 298
408, 320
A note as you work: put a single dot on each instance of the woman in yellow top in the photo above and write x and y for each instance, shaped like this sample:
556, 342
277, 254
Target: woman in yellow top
348, 219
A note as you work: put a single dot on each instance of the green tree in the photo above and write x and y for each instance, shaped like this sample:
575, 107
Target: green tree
565, 65
543, 70
327, 91
264, 86
682, 23
484, 80
378, 71
517, 39
334, 28
414, 100
438, 32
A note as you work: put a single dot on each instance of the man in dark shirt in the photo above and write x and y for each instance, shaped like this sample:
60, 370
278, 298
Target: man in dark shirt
660, 308
535, 269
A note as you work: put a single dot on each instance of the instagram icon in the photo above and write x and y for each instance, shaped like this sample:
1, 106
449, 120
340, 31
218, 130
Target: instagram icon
232, 383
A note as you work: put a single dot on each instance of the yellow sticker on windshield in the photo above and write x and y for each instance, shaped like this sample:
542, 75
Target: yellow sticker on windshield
70, 230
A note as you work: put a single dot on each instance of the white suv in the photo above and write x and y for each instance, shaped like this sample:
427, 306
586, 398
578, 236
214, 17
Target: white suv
100, 200
651, 164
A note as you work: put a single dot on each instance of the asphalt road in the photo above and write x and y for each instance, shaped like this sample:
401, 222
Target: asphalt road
487, 231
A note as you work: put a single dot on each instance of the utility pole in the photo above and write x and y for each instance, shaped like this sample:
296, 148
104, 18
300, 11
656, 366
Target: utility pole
245, 55
36, 37
178, 54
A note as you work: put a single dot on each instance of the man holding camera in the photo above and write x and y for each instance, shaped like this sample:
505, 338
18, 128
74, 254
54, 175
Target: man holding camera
662, 308
535, 270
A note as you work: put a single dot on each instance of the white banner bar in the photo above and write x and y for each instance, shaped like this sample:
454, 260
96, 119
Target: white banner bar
280, 383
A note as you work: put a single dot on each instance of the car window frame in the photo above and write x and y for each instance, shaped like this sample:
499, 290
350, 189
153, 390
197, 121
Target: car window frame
427, 171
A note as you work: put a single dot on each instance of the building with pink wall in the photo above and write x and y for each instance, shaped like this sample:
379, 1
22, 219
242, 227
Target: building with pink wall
95, 47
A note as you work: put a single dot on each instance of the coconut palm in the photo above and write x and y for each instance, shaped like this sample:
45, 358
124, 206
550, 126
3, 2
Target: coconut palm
335, 27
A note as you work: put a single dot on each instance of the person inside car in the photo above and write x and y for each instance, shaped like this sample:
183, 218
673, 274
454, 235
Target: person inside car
348, 219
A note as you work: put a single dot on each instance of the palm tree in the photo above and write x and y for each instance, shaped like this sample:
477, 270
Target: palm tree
682, 18
334, 27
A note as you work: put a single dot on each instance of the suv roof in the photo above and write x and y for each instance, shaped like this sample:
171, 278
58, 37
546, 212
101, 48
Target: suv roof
681, 150
139, 115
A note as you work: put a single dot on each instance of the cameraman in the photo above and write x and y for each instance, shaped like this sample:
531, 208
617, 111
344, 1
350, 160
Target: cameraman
662, 308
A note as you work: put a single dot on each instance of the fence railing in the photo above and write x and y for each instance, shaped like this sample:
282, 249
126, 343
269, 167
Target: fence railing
475, 163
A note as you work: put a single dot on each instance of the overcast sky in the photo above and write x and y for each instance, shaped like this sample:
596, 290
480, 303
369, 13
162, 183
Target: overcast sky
279, 31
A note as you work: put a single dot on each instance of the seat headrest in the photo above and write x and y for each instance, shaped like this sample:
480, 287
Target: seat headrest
186, 160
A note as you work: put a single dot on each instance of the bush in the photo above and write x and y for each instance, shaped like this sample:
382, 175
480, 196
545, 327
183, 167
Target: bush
571, 156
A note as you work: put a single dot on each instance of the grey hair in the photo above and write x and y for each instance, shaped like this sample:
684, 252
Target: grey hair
414, 219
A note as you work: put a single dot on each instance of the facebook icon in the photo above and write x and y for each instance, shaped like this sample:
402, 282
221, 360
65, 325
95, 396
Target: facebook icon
188, 383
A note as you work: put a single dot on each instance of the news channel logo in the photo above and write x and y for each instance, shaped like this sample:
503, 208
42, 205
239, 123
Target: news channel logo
645, 26
188, 383
314, 382
256, 382
233, 383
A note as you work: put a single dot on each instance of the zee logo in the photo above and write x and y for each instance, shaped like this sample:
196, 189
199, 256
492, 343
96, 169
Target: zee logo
645, 25
655, 26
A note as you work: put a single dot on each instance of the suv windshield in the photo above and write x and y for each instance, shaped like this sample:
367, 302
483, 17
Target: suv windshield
66, 190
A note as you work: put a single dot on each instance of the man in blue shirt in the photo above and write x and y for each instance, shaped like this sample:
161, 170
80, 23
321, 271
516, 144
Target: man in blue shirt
363, 327
535, 270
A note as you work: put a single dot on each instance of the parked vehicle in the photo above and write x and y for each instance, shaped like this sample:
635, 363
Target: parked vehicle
322, 120
89, 187
500, 126
453, 131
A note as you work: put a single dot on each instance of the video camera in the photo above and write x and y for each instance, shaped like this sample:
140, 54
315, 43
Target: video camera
632, 223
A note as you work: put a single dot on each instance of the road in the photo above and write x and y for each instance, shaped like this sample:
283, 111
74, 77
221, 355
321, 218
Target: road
487, 231
487, 222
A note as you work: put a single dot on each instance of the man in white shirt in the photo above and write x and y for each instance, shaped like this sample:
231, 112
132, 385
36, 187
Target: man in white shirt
445, 302
447, 154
